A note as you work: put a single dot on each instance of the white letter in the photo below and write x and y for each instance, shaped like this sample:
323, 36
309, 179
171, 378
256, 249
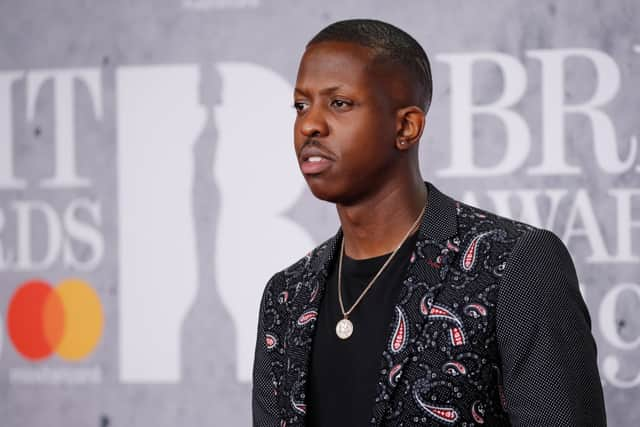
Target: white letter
591, 230
159, 118
608, 322
63, 81
554, 110
462, 112
5, 262
625, 224
84, 233
610, 369
608, 319
259, 181
52, 244
7, 177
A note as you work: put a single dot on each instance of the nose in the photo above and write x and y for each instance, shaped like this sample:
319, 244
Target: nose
313, 123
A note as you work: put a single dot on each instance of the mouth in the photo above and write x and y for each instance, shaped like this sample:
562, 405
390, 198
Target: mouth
314, 165
315, 160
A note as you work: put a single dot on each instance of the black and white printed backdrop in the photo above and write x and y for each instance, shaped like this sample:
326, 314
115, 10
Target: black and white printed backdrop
148, 183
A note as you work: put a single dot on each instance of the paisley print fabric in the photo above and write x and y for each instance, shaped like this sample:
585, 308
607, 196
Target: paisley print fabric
464, 347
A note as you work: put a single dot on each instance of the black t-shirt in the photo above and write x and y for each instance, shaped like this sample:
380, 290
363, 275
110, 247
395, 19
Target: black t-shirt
344, 373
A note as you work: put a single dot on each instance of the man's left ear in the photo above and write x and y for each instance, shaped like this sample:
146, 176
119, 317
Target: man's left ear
410, 124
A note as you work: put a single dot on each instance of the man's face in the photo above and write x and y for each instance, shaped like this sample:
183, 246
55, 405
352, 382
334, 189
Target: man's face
345, 128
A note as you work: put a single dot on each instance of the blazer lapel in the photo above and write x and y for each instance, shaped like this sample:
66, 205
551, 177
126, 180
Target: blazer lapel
299, 334
429, 265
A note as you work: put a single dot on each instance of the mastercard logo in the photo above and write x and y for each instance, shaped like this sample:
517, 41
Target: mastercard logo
67, 319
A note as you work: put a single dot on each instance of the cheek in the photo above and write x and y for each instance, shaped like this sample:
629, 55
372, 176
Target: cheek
298, 138
368, 142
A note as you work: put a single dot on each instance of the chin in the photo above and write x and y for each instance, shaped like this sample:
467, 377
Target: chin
332, 192
323, 190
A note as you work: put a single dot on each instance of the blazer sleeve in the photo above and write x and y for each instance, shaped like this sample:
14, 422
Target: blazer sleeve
547, 351
263, 394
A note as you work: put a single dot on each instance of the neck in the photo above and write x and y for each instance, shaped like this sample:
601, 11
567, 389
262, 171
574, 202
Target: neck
377, 224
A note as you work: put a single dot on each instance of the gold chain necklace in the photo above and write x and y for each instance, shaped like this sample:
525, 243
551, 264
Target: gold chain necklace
344, 328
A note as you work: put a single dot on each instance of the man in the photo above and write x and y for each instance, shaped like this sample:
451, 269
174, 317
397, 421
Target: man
421, 310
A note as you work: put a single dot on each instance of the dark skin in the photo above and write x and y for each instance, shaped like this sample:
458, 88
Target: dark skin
356, 137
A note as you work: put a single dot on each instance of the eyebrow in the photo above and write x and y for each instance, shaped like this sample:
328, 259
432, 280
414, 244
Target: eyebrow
324, 91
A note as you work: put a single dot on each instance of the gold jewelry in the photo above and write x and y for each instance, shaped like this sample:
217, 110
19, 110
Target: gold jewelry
344, 328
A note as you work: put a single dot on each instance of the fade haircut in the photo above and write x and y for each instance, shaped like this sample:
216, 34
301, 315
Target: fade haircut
389, 44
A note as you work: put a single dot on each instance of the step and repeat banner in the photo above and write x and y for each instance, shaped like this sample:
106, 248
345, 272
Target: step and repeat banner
146, 161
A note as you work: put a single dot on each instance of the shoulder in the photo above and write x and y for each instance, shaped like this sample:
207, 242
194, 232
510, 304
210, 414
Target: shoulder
540, 242
526, 249
485, 241
539, 284
526, 260
539, 263
471, 218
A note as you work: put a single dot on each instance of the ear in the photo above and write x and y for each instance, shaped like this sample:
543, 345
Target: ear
409, 126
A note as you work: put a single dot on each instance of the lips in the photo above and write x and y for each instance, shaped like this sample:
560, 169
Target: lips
315, 165
315, 160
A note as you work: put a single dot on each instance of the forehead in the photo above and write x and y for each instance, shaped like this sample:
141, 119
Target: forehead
331, 64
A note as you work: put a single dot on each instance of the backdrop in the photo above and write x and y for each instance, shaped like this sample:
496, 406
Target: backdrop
146, 153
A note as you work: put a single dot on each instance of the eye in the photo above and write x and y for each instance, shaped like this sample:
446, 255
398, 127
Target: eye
299, 106
340, 104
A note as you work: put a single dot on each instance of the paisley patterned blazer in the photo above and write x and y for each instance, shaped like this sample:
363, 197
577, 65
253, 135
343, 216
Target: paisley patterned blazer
489, 329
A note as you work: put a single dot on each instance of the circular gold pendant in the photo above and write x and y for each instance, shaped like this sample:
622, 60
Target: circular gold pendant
344, 328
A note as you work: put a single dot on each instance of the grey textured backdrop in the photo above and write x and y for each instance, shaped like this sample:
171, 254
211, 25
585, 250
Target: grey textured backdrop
164, 128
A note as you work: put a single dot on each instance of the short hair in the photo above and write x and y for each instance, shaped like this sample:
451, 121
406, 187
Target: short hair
389, 43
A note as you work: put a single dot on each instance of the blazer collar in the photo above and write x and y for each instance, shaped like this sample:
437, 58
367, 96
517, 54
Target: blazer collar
439, 222
440, 218
429, 265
